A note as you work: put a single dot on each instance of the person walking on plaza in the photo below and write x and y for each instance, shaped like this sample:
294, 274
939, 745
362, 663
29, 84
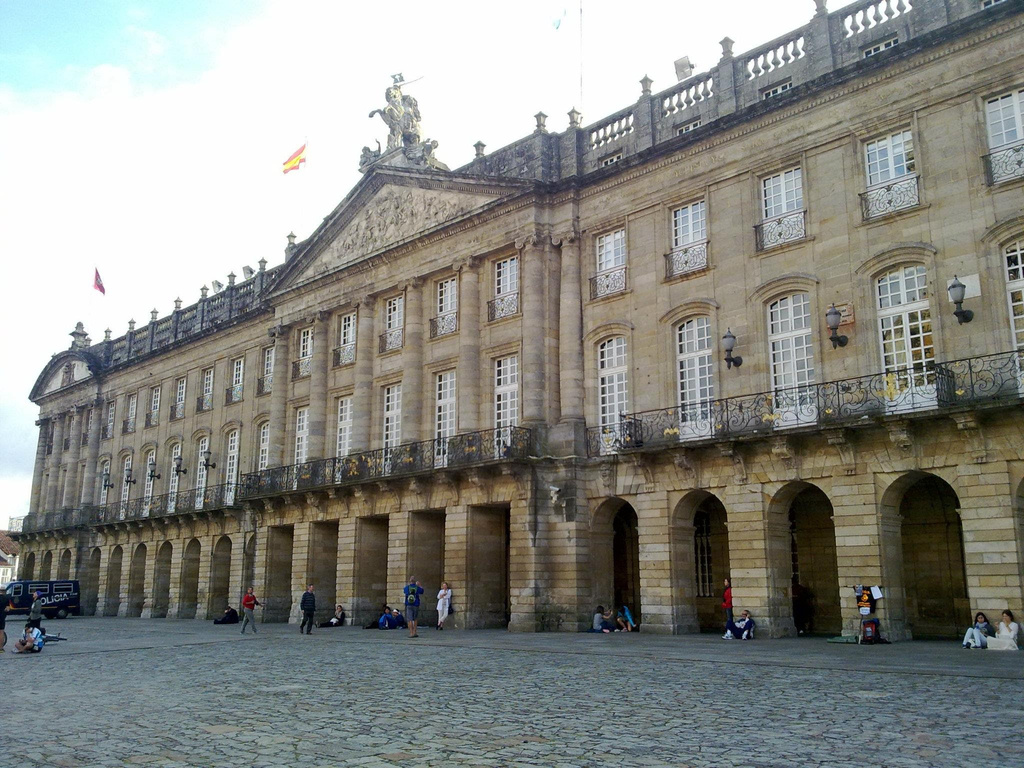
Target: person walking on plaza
35, 613
308, 607
444, 603
249, 603
412, 590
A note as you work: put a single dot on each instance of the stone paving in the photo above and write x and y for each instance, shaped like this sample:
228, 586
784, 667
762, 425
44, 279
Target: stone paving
186, 693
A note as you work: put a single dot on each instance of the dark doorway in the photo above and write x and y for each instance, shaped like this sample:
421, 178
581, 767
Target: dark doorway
626, 561
816, 606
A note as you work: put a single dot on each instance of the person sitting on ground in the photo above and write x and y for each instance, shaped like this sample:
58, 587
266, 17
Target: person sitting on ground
230, 617
387, 619
598, 624
625, 619
400, 620
374, 623
977, 636
1006, 634
337, 620
742, 629
31, 641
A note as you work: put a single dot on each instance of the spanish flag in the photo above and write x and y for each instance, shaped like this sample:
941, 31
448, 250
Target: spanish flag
298, 158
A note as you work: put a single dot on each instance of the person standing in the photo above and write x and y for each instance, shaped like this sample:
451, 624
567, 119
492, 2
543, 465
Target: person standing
308, 607
249, 603
35, 613
412, 590
727, 602
444, 604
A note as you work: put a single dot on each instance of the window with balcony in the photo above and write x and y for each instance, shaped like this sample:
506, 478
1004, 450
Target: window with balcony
231, 466
202, 446
178, 407
891, 177
126, 485
506, 401
301, 434
343, 443
1005, 160
394, 325
782, 209
1013, 255
392, 420
173, 477
905, 335
695, 377
150, 466
611, 265
263, 446
303, 367
445, 409
345, 352
105, 481
233, 394
612, 378
205, 400
108, 426
506, 289
153, 414
131, 407
791, 356
689, 240
446, 321
265, 383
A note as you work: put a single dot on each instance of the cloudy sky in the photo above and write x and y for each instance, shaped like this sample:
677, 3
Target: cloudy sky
145, 139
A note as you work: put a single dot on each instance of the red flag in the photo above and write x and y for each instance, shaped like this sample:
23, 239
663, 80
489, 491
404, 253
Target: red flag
97, 283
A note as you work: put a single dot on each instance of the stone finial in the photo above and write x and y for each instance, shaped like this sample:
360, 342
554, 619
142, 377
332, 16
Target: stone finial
263, 265
203, 291
79, 337
153, 314
131, 325
684, 68
820, 8
645, 85
177, 303
231, 278
479, 147
106, 334
291, 238
542, 120
727, 44
575, 118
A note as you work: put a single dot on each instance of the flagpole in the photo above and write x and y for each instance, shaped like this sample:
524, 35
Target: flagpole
582, 106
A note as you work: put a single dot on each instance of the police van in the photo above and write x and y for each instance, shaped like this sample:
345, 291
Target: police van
60, 598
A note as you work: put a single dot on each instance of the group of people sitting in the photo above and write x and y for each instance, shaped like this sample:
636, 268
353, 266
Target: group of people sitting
982, 635
390, 618
606, 623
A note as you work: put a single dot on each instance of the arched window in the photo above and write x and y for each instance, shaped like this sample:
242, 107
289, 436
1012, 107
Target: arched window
905, 335
172, 478
104, 481
694, 377
150, 468
263, 453
1014, 260
792, 360
231, 466
613, 396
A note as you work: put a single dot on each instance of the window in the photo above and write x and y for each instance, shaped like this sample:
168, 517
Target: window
447, 296
347, 330
1003, 114
265, 382
506, 276
1014, 256
231, 466
205, 400
132, 408
792, 360
702, 554
782, 193
263, 449
990, 3
268, 361
775, 90
208, 381
506, 391
150, 467
178, 408
105, 480
905, 329
687, 127
305, 343
237, 371
611, 250
392, 415
877, 48
688, 225
154, 401
202, 446
344, 442
890, 157
172, 477
301, 434
394, 313
126, 487
611, 159
611, 380
695, 377
444, 405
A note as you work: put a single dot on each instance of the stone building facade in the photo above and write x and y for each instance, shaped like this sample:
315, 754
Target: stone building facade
599, 366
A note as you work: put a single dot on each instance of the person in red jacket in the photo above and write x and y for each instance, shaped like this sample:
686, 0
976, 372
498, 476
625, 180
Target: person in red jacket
249, 602
727, 604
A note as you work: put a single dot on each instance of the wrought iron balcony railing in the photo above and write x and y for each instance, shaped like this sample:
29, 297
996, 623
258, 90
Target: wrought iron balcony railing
128, 426
444, 324
106, 433
608, 283
972, 382
1005, 164
302, 367
489, 446
204, 403
344, 355
264, 384
152, 419
687, 259
890, 198
233, 394
780, 230
15, 524
177, 411
391, 339
506, 305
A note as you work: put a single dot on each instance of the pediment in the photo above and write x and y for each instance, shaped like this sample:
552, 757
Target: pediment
65, 370
387, 209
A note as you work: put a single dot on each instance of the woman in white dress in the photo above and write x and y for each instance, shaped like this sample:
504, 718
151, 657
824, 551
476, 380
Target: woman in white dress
444, 602
1006, 634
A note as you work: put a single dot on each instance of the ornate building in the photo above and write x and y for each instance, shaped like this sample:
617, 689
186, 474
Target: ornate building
764, 323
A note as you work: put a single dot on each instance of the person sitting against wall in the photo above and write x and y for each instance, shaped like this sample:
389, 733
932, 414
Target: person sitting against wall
400, 621
624, 619
388, 619
230, 617
337, 620
743, 629
1006, 634
375, 623
977, 636
602, 621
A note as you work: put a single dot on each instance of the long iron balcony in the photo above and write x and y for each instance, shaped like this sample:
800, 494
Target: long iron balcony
991, 380
471, 449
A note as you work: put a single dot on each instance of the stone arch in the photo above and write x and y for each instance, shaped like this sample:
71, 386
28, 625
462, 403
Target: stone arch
46, 566
189, 602
699, 551
220, 576
137, 581
28, 570
162, 580
112, 595
90, 582
615, 555
64, 565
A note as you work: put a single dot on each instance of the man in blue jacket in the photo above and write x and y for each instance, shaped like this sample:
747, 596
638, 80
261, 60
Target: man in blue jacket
412, 590
308, 607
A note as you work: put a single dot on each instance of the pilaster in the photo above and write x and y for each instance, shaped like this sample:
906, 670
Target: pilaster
54, 464
318, 386
301, 571
413, 390
92, 454
279, 395
655, 562
531, 374
38, 498
72, 492
362, 397
468, 382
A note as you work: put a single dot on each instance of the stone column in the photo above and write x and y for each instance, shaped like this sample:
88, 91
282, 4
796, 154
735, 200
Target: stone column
362, 397
655, 565
570, 332
468, 373
149, 578
174, 592
522, 567
398, 552
92, 455
531, 303
72, 491
101, 580
456, 566
38, 499
203, 608
235, 587
279, 395
318, 386
54, 464
413, 391
345, 588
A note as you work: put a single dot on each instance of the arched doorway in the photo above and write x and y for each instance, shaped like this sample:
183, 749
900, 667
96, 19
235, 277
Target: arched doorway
934, 575
46, 568
64, 565
699, 544
190, 580
220, 576
615, 557
137, 582
815, 577
28, 570
112, 601
162, 580
90, 583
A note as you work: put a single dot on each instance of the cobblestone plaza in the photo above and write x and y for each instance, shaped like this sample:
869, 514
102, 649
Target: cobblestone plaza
187, 693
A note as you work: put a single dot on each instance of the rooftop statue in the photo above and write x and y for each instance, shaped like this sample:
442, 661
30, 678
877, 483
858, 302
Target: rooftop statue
402, 117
